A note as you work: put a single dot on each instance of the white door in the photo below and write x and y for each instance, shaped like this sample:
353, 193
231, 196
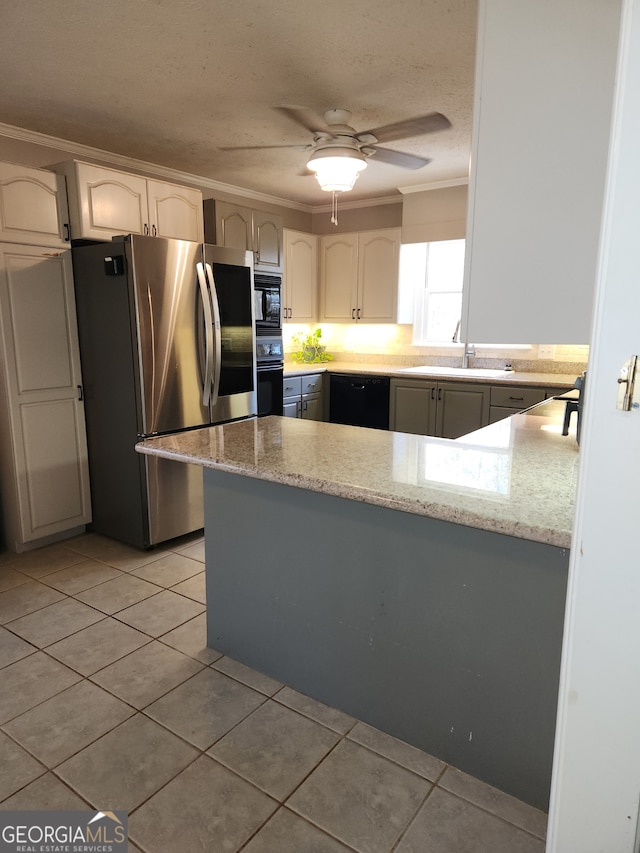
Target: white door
267, 242
339, 278
233, 226
300, 277
378, 267
33, 206
110, 203
45, 416
596, 782
175, 211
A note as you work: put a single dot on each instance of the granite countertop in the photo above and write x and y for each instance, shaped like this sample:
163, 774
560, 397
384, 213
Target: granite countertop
552, 380
516, 477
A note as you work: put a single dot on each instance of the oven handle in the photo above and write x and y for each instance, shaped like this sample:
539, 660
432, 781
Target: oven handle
208, 335
217, 345
269, 365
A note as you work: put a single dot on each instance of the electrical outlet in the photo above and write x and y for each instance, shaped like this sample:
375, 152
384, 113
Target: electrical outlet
547, 351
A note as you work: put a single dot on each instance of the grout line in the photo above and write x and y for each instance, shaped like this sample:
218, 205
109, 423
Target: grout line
413, 818
497, 816
200, 752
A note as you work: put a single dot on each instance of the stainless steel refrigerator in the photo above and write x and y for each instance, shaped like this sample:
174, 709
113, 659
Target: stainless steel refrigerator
167, 343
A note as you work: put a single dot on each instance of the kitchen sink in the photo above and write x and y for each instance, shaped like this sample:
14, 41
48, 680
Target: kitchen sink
482, 372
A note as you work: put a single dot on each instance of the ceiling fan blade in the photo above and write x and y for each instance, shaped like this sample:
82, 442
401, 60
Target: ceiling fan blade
399, 158
411, 127
301, 147
307, 118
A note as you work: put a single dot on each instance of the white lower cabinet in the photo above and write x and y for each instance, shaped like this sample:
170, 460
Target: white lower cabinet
302, 397
43, 449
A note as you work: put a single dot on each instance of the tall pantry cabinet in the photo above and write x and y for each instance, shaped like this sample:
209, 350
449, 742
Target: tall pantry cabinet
43, 450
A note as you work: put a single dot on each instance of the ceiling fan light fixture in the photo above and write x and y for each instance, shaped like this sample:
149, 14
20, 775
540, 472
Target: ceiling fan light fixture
337, 169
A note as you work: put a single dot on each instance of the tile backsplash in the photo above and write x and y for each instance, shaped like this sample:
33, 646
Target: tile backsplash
385, 344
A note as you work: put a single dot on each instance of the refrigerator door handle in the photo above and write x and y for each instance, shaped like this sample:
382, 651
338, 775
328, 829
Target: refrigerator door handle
217, 344
208, 336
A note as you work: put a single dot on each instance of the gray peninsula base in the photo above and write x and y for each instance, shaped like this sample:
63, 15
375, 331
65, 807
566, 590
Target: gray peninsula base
442, 635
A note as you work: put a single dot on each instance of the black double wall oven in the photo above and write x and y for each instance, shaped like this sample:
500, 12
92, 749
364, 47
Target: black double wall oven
269, 348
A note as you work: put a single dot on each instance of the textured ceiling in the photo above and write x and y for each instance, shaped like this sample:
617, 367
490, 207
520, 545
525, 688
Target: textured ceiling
171, 82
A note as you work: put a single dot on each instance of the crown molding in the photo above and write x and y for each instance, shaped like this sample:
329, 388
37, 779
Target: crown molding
363, 202
77, 149
435, 185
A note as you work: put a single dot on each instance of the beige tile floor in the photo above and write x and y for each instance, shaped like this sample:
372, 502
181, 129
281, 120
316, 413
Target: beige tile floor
110, 699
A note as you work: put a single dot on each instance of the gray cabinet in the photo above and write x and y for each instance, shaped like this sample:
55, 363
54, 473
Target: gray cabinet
302, 397
412, 406
462, 408
510, 399
444, 409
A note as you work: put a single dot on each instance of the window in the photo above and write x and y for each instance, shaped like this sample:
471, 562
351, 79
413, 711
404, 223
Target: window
431, 274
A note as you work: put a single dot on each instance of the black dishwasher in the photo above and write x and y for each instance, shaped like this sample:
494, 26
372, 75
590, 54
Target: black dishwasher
359, 400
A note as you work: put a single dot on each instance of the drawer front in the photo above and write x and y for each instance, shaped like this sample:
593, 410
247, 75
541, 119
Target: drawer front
498, 413
292, 386
554, 392
291, 407
515, 397
311, 384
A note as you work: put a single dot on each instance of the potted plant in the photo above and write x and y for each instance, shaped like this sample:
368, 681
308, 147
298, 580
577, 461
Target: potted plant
310, 350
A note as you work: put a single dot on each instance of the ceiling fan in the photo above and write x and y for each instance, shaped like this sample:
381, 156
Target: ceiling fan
338, 146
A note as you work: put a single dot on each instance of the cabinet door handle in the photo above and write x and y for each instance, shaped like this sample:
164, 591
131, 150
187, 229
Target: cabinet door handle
67, 232
517, 398
433, 393
439, 393
353, 313
154, 231
145, 230
358, 313
80, 393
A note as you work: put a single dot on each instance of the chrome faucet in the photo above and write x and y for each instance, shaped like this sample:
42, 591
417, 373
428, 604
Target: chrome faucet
469, 351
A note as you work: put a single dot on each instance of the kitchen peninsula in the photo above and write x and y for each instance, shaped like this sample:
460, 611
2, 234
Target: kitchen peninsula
417, 583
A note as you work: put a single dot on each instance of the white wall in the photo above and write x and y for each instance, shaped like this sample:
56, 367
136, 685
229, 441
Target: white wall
596, 782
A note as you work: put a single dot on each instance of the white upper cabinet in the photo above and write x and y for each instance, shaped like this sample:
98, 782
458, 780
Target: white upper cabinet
175, 211
544, 92
359, 276
33, 206
338, 278
300, 300
233, 226
267, 242
256, 231
104, 203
